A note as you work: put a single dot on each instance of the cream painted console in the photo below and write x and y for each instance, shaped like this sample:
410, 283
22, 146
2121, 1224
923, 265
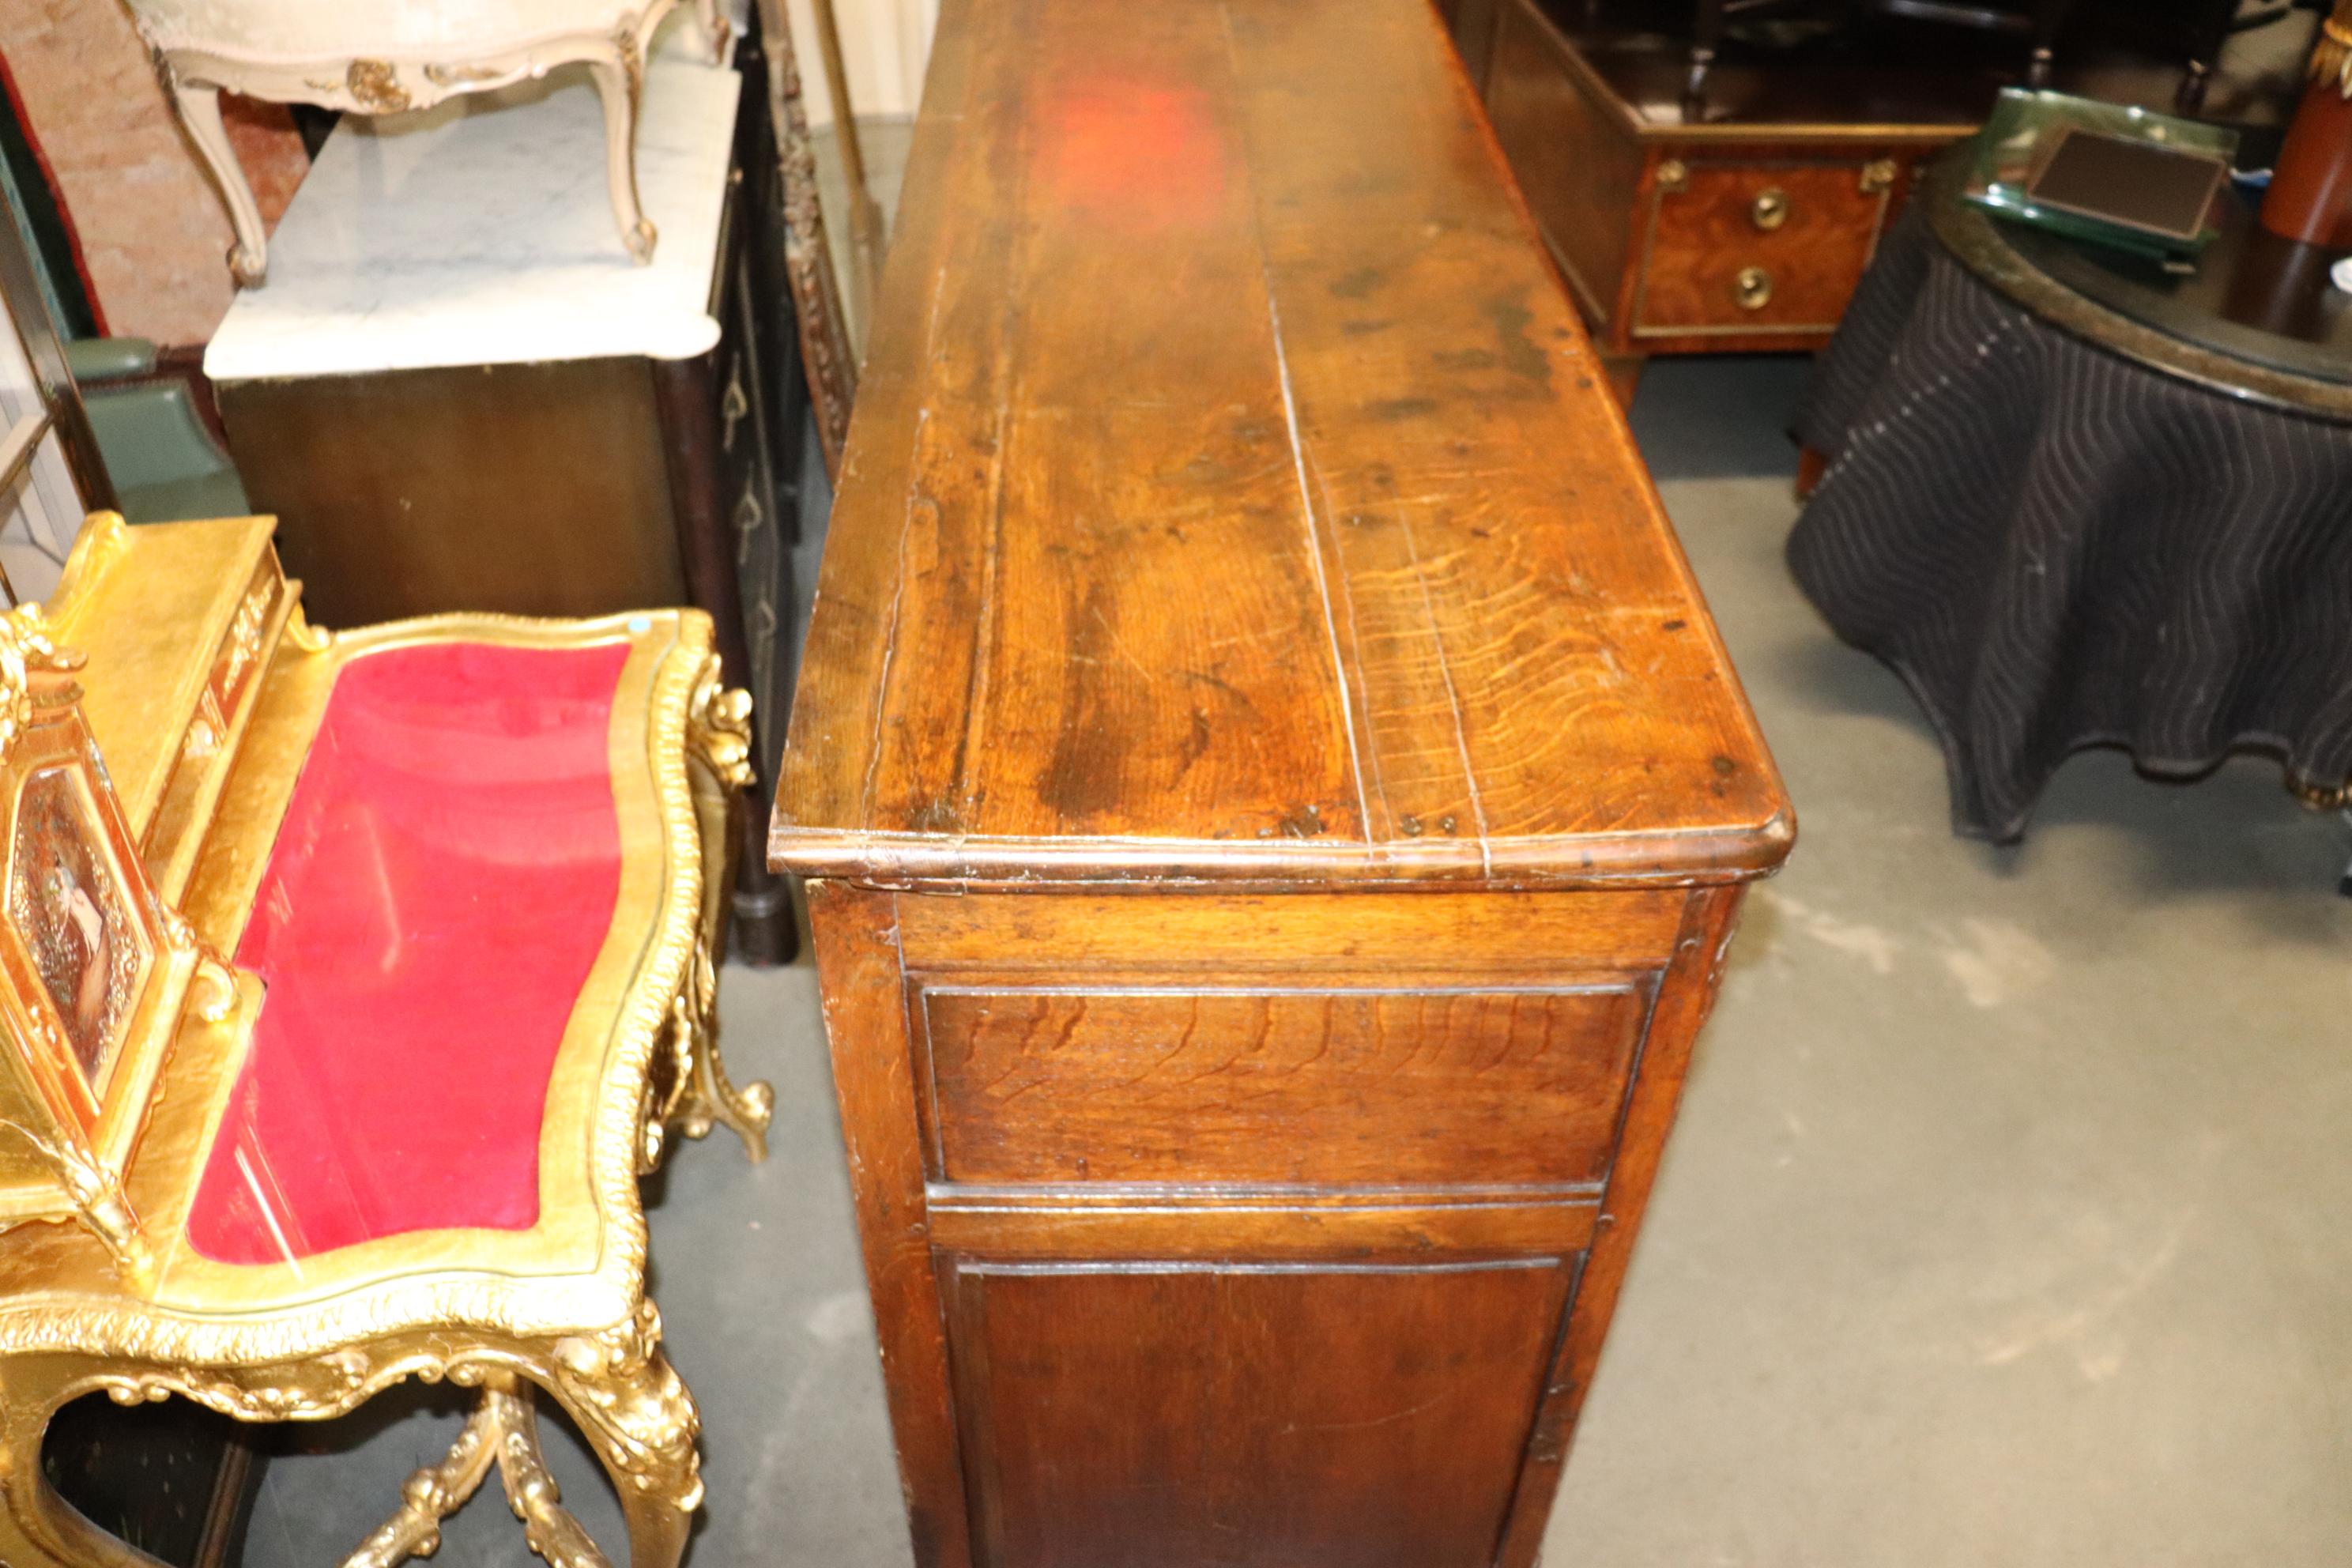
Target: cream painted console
382, 56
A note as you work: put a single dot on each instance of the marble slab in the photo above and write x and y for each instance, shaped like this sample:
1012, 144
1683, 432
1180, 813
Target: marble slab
479, 232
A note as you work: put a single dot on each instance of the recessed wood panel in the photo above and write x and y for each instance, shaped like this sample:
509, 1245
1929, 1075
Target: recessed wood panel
1632, 928
1247, 1417
1318, 1086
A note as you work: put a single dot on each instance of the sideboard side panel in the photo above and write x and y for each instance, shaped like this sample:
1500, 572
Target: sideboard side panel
856, 936
1309, 1414
1165, 1355
1686, 996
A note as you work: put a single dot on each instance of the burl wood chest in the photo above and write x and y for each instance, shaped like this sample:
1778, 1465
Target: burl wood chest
1274, 802
1739, 225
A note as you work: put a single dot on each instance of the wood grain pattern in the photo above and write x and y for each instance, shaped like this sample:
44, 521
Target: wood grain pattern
1506, 932
1577, 162
1233, 496
1704, 235
1085, 1389
1588, 115
360, 469
920, 1231
1065, 1224
1268, 1086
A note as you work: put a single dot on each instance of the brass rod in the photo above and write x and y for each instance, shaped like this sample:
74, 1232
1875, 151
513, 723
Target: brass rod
865, 213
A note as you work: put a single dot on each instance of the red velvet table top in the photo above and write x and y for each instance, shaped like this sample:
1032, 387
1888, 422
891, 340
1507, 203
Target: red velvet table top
443, 880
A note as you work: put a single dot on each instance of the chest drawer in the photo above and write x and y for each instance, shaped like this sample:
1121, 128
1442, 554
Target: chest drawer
1757, 248
1321, 1082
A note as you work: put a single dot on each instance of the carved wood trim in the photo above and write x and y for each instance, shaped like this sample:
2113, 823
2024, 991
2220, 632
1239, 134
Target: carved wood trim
827, 358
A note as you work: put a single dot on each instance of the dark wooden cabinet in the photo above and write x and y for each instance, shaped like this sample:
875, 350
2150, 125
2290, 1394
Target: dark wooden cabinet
1275, 804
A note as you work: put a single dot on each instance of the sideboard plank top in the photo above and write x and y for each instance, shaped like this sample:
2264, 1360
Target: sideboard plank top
1233, 494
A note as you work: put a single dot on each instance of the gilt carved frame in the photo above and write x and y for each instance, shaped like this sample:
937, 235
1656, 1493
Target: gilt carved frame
560, 1308
95, 970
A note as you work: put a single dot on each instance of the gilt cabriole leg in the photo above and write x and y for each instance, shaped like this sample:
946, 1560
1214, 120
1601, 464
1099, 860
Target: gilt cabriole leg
706, 1097
199, 107
38, 1530
629, 1403
719, 741
618, 82
548, 1526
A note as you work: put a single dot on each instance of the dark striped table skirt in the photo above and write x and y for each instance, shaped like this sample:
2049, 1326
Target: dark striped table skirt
2058, 548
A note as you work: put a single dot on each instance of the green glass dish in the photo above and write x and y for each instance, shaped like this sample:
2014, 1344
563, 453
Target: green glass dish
2021, 125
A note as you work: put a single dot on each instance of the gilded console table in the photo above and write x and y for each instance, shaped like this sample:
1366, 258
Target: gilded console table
349, 982
1275, 804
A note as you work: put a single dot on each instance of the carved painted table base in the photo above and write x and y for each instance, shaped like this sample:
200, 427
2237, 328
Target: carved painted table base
194, 78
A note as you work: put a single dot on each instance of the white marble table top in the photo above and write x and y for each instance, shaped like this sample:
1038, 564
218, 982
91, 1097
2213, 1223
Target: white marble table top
479, 232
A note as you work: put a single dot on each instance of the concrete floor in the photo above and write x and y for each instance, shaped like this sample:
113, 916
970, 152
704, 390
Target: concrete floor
2004, 1224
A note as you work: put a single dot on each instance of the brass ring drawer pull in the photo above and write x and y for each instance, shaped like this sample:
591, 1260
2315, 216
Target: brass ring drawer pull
1752, 288
1771, 209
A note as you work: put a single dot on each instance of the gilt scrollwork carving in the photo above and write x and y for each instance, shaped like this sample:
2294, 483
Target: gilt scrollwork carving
26, 653
314, 1387
616, 1383
633, 1406
705, 1096
374, 86
547, 1527
432, 1494
318, 1344
718, 728
503, 1431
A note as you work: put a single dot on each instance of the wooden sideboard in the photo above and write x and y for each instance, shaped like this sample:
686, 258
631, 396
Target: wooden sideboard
1275, 803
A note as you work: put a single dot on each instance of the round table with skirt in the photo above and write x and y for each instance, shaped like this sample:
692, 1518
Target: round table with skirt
2065, 526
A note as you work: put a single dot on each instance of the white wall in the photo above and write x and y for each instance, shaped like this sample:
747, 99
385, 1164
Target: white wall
884, 45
